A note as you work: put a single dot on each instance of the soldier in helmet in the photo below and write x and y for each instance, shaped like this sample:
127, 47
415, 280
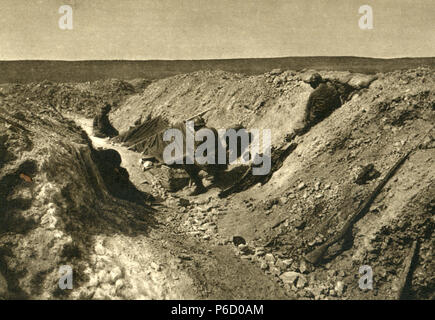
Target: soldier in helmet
212, 169
101, 125
322, 101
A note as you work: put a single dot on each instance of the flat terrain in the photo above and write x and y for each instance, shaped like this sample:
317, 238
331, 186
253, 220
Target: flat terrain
81, 71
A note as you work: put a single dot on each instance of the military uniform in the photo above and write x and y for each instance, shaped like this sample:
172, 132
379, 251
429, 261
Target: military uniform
101, 125
322, 101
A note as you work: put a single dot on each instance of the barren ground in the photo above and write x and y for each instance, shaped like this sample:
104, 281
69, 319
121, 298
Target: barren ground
55, 208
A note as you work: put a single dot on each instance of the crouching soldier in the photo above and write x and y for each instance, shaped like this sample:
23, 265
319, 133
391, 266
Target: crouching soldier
322, 101
215, 170
101, 125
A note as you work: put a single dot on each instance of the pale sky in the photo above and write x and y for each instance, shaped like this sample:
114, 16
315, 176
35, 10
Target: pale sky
214, 29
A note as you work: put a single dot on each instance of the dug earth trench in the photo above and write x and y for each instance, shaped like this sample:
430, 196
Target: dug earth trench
169, 262
57, 208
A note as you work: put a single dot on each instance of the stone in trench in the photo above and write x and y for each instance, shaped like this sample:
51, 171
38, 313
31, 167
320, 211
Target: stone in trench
274, 270
290, 277
303, 268
283, 264
115, 274
100, 250
259, 251
264, 266
237, 240
339, 288
155, 266
269, 258
301, 186
103, 276
299, 224
183, 202
302, 282
244, 248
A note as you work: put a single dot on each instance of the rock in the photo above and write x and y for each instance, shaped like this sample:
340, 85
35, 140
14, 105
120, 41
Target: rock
275, 271
317, 292
303, 268
243, 248
269, 258
363, 174
93, 280
301, 186
259, 251
155, 266
275, 72
428, 143
282, 265
237, 240
99, 294
289, 277
183, 202
360, 81
302, 282
264, 266
87, 294
103, 276
115, 274
100, 250
299, 224
339, 288
332, 273
119, 284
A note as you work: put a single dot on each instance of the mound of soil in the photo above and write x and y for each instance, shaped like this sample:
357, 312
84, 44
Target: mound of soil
54, 200
316, 190
60, 204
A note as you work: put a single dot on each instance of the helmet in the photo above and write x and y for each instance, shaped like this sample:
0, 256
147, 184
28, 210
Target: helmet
106, 108
315, 80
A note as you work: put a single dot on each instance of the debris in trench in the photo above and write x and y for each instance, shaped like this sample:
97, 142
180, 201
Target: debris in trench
237, 240
315, 256
248, 179
25, 177
366, 173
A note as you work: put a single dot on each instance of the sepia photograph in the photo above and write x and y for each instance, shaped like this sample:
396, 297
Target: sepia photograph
217, 150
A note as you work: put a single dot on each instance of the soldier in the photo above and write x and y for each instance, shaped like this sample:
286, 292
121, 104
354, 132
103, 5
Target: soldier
322, 101
215, 170
116, 178
101, 125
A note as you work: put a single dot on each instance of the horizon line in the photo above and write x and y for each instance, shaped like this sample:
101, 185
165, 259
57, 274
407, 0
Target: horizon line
219, 59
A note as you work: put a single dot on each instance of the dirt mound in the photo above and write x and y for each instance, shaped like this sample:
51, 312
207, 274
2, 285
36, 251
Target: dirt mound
316, 191
79, 98
54, 200
60, 208
317, 187
274, 100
